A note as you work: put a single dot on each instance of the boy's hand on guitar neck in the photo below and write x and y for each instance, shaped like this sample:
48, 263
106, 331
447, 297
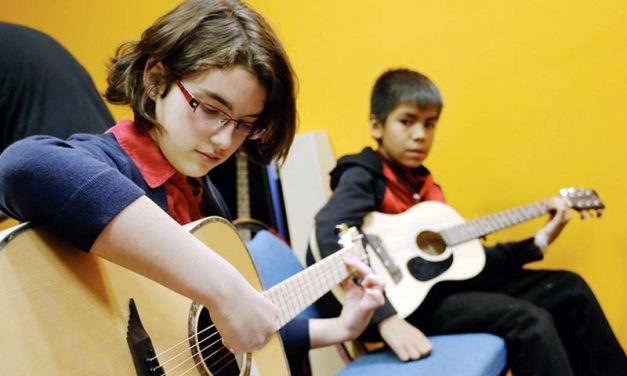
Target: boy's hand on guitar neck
407, 341
560, 215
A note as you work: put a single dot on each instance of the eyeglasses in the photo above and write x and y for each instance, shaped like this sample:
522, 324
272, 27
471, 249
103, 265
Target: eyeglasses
215, 117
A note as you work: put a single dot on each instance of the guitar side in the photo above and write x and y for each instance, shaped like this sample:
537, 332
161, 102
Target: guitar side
66, 312
398, 233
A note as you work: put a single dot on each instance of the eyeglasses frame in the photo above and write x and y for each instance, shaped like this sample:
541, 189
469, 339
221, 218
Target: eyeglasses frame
194, 103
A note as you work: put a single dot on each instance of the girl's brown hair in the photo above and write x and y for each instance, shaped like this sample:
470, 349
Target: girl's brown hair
199, 35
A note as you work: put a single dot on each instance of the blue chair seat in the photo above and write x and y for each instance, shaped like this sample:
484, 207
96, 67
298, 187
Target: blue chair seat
473, 354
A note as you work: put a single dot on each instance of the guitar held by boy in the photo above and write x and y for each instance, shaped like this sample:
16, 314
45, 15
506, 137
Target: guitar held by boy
431, 242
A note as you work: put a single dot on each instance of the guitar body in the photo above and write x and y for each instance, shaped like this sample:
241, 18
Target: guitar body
64, 311
419, 267
6, 222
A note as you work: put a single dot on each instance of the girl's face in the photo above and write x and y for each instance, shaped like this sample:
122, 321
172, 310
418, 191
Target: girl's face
196, 140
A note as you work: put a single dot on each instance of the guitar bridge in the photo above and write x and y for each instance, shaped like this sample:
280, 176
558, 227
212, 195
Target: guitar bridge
142, 350
376, 244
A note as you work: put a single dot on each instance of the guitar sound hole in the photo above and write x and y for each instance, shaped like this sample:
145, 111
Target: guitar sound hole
431, 243
211, 356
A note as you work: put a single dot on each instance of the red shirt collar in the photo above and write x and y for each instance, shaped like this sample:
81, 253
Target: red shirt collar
152, 164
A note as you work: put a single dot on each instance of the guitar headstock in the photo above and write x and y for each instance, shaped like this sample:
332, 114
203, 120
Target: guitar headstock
350, 237
585, 201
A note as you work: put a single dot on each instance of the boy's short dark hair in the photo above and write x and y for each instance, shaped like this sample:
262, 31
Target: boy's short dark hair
398, 86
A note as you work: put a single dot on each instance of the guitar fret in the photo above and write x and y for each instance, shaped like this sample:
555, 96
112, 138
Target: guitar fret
446, 236
304, 297
275, 296
510, 219
480, 227
308, 293
492, 224
469, 233
514, 217
285, 303
477, 229
505, 220
299, 291
485, 225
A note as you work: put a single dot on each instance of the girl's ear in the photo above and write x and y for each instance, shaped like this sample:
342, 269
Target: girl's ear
155, 74
376, 128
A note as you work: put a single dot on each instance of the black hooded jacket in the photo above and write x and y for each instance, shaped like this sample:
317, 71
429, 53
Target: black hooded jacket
358, 186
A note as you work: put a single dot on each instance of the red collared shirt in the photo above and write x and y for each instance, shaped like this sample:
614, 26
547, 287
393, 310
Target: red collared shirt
184, 194
405, 188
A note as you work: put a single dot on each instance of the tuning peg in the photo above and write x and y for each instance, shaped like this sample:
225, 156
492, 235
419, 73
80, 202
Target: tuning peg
584, 215
599, 213
341, 228
347, 235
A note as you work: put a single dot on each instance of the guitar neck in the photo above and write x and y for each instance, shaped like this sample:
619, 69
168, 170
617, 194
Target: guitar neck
243, 194
482, 226
301, 290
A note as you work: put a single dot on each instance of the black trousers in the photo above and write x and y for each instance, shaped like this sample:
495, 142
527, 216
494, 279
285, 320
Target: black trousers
550, 320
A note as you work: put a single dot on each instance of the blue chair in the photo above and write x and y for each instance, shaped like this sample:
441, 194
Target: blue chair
479, 354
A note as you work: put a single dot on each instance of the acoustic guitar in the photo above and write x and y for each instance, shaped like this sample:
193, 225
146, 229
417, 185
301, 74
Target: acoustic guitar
431, 242
6, 221
67, 312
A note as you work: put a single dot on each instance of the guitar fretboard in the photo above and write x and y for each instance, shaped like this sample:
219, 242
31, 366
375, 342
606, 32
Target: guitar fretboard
299, 291
243, 200
485, 225
243, 193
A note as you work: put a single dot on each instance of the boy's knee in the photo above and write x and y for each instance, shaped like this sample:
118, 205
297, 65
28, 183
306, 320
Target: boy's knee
526, 319
531, 323
535, 316
571, 285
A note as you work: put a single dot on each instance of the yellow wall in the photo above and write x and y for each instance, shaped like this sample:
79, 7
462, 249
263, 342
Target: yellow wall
534, 94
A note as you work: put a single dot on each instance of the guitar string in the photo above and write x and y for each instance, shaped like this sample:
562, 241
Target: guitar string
184, 350
194, 353
465, 231
212, 365
223, 367
335, 270
472, 229
292, 301
513, 215
324, 271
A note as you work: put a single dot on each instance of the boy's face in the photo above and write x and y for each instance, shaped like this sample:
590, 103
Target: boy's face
194, 145
407, 135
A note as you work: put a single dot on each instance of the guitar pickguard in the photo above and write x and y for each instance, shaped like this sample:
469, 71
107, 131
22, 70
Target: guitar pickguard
424, 270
